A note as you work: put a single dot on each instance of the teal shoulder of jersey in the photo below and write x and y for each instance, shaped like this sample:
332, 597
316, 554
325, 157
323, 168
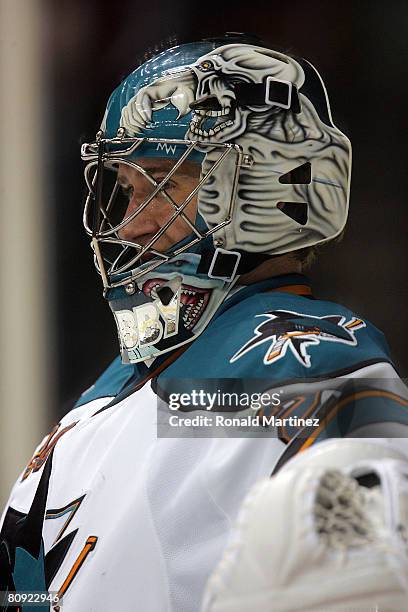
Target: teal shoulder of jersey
263, 331
111, 382
272, 334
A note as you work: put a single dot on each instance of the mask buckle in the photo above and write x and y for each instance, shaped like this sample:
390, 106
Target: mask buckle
224, 264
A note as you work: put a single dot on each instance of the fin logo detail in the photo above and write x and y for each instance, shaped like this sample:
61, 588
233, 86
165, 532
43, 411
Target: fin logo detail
42, 454
285, 329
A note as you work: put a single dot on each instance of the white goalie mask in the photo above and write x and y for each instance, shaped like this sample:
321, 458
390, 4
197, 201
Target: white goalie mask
274, 177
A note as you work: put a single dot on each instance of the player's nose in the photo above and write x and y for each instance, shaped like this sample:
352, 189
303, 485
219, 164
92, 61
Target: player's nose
143, 225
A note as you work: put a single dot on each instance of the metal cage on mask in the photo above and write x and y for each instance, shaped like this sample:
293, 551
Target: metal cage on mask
103, 219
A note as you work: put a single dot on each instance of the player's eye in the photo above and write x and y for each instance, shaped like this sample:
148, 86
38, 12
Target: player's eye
168, 185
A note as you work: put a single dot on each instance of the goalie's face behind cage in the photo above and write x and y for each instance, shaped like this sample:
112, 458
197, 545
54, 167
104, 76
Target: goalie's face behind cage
135, 188
148, 233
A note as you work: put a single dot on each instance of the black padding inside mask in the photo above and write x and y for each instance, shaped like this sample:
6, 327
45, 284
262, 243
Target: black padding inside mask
165, 295
295, 210
301, 175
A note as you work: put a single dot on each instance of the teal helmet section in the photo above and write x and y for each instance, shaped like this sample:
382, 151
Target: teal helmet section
166, 122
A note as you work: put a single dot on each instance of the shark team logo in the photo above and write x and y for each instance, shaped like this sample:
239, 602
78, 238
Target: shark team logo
284, 329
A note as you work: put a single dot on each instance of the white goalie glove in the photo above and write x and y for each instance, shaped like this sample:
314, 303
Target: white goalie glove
329, 532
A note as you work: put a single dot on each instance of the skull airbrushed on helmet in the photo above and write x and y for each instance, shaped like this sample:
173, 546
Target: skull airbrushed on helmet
275, 175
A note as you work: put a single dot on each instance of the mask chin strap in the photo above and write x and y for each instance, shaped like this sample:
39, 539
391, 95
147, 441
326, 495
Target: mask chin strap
226, 265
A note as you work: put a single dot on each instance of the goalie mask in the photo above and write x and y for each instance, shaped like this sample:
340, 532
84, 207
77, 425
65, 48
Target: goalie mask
210, 159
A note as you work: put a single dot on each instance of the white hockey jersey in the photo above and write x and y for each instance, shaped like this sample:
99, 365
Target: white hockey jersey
112, 516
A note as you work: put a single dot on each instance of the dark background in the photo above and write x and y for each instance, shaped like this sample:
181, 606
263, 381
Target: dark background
359, 48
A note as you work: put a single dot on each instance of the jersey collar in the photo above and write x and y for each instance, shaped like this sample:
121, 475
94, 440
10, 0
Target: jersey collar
139, 374
296, 283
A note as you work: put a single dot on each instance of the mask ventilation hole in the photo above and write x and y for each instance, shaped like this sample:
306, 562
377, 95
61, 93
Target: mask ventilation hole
368, 480
165, 295
295, 210
301, 175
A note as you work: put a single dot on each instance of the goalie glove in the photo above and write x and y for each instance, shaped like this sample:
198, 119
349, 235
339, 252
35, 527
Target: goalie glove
317, 537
